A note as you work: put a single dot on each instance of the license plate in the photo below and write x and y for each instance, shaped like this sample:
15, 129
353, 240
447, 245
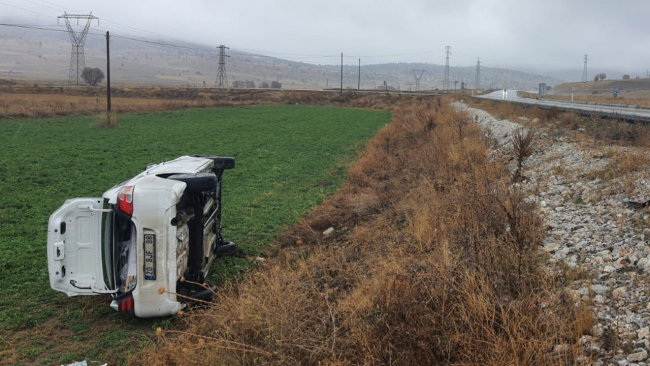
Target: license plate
149, 256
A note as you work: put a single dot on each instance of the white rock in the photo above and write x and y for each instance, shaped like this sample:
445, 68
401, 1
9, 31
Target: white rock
643, 332
619, 292
638, 356
329, 232
600, 289
551, 247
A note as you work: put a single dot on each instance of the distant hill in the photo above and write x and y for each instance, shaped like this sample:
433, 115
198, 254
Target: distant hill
43, 56
632, 88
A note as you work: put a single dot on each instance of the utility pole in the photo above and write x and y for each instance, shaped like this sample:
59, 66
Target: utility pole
477, 84
585, 78
222, 78
77, 57
108, 75
359, 81
417, 74
455, 84
341, 73
448, 51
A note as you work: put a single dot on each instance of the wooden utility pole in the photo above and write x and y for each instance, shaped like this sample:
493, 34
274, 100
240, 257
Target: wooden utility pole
359, 82
341, 73
108, 74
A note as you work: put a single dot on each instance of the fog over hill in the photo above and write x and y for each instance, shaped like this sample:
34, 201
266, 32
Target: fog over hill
27, 54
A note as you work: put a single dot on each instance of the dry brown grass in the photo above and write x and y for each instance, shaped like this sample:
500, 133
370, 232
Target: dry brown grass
605, 130
434, 261
108, 120
621, 164
511, 111
602, 99
36, 102
50, 105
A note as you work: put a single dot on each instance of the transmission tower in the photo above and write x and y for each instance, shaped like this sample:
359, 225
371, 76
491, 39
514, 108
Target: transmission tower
585, 78
418, 76
78, 39
222, 79
448, 51
477, 84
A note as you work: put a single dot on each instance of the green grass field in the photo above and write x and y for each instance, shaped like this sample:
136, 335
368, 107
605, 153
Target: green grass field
282, 153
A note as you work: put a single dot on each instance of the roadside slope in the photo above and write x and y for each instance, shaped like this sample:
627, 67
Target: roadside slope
580, 184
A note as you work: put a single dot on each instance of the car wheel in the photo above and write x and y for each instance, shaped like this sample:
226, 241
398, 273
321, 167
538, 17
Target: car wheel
197, 182
220, 162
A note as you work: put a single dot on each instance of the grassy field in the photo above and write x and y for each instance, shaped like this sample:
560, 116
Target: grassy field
282, 152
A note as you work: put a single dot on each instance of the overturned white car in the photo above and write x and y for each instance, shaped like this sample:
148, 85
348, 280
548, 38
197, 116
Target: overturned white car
149, 241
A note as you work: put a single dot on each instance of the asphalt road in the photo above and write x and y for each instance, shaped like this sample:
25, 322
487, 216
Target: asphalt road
605, 110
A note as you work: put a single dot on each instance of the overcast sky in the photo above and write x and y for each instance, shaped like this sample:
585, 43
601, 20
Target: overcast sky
543, 34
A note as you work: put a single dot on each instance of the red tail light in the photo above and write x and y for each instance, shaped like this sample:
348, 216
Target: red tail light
126, 305
125, 200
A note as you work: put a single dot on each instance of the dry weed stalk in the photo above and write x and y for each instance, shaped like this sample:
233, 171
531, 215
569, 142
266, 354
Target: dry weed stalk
522, 146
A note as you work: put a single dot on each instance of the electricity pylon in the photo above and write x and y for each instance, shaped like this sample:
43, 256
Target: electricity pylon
477, 84
418, 76
78, 39
585, 78
222, 79
448, 50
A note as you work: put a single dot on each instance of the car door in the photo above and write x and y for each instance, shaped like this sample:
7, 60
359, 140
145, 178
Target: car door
74, 247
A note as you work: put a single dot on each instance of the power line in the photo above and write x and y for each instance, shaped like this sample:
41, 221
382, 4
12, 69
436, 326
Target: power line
39, 27
29, 11
49, 7
124, 27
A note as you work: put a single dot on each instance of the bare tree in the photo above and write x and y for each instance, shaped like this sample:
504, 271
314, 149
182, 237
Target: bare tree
92, 76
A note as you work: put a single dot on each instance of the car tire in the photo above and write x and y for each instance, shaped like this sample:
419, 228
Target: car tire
197, 182
220, 162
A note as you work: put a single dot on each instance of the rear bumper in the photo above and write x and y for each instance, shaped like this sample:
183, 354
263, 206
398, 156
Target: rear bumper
152, 309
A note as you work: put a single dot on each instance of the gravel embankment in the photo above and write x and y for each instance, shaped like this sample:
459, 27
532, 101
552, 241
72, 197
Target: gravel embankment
590, 230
